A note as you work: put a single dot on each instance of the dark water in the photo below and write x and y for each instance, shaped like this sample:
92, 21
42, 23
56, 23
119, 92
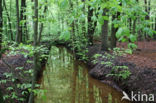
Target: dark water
66, 80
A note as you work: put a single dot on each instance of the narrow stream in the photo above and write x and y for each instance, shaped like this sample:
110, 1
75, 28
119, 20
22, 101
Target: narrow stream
66, 80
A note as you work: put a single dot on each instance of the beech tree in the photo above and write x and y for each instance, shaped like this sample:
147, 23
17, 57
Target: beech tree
104, 35
18, 33
1, 26
23, 25
35, 59
9, 20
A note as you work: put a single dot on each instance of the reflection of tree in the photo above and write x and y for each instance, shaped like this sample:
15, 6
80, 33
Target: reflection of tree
67, 81
91, 92
73, 83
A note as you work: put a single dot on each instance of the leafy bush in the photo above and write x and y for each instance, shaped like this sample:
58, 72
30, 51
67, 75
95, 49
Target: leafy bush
118, 72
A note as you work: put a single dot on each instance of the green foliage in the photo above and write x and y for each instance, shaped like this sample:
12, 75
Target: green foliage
123, 34
132, 46
65, 35
117, 72
97, 55
26, 51
120, 72
81, 49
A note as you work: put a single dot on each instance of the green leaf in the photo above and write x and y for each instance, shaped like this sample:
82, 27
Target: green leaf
100, 20
133, 38
65, 35
132, 46
105, 18
119, 33
129, 51
122, 34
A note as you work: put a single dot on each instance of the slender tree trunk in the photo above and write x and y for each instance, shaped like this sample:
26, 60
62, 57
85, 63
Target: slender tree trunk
76, 20
25, 31
130, 25
147, 10
1, 26
35, 54
9, 20
104, 35
134, 27
18, 23
41, 26
73, 23
23, 19
134, 22
90, 26
155, 28
114, 30
84, 21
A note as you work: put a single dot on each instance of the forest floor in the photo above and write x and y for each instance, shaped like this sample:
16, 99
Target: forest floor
144, 56
142, 64
15, 78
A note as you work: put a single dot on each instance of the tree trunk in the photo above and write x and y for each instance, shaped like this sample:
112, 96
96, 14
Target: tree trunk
90, 26
9, 20
147, 9
18, 35
104, 35
155, 29
73, 23
84, 21
1, 26
134, 26
23, 19
73, 26
113, 33
130, 25
76, 20
41, 26
25, 33
35, 59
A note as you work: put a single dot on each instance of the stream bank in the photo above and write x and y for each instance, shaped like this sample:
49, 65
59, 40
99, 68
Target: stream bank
66, 80
21, 67
142, 78
142, 68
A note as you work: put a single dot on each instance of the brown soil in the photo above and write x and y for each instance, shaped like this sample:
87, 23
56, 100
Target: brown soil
144, 56
19, 76
142, 64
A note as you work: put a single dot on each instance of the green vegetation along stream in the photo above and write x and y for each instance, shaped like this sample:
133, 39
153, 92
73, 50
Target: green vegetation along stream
66, 80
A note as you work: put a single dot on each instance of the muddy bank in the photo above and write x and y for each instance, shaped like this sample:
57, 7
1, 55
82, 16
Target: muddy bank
1, 96
21, 77
141, 80
16, 77
143, 69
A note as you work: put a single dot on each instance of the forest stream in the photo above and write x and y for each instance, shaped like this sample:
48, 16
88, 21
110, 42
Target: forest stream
66, 80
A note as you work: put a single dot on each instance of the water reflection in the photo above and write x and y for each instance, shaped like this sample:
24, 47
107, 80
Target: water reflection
67, 81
